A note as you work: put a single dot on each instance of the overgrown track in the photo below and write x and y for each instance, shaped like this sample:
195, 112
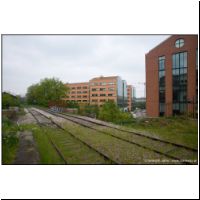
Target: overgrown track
122, 130
80, 121
51, 122
49, 138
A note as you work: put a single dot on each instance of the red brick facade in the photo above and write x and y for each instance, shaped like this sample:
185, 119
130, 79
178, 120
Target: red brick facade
167, 48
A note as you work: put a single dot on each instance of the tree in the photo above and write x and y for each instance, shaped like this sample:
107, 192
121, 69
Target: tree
48, 89
9, 100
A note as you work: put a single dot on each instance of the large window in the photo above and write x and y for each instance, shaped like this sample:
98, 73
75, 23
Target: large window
161, 67
179, 71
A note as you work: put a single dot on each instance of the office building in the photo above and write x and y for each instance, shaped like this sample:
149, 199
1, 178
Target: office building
172, 77
99, 90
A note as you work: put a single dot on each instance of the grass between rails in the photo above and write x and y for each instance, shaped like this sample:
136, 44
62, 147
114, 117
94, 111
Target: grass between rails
179, 130
74, 151
119, 151
48, 155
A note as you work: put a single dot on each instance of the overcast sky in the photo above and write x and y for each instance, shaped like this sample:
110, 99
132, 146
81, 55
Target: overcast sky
27, 58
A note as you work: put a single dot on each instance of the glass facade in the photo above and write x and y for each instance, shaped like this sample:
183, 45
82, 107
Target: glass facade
121, 93
161, 71
179, 72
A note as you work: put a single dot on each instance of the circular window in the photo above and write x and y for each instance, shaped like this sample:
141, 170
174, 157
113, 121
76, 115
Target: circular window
179, 43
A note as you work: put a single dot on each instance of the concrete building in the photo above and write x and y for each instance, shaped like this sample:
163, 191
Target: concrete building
99, 90
172, 76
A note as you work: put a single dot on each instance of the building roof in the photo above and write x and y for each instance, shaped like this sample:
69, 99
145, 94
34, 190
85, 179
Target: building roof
77, 83
104, 77
160, 43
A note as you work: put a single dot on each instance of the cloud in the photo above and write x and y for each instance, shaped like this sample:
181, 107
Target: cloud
74, 58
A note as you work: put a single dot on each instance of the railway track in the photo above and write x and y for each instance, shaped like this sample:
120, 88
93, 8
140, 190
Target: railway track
153, 143
122, 130
49, 122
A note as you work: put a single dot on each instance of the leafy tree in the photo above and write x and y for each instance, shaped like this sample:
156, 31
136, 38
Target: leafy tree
9, 100
48, 89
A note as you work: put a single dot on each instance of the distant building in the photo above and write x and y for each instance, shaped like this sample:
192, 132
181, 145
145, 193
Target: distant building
131, 96
78, 92
172, 76
99, 90
140, 99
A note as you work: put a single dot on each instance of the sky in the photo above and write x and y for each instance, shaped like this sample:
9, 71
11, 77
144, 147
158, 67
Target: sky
74, 58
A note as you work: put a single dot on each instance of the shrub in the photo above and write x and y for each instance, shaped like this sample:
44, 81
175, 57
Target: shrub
110, 112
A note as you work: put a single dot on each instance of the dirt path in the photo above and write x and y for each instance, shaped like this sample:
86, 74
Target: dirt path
27, 153
27, 118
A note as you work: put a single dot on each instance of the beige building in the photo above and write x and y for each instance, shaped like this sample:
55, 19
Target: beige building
78, 92
99, 90
103, 89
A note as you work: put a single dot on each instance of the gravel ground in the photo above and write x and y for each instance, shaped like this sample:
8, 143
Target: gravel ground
27, 118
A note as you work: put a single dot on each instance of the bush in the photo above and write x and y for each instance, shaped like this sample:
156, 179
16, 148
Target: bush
110, 112
89, 110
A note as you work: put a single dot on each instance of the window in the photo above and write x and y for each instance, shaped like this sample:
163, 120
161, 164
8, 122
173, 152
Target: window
94, 89
103, 83
78, 96
161, 74
102, 100
102, 89
72, 96
94, 95
84, 92
179, 43
179, 72
94, 100
78, 88
85, 87
111, 83
110, 95
161, 62
73, 92
111, 89
102, 95
84, 101
73, 88
84, 96
78, 92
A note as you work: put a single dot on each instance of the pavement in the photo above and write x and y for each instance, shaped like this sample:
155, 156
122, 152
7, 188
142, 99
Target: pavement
27, 153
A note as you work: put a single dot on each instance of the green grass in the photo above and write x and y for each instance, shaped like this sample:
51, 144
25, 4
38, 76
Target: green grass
119, 151
181, 130
48, 155
74, 150
10, 141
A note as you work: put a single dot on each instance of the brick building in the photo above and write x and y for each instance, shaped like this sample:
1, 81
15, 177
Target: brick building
172, 76
98, 90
